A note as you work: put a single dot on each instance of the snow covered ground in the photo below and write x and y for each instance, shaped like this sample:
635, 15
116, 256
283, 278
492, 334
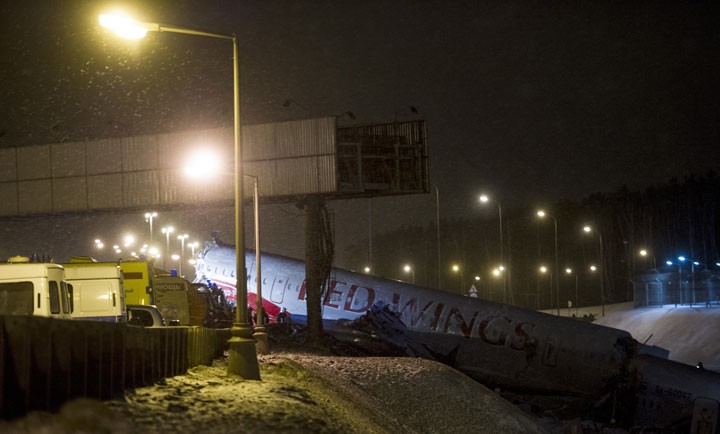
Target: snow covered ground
691, 334
299, 393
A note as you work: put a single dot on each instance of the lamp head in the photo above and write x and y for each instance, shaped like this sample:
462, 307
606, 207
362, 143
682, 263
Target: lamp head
123, 26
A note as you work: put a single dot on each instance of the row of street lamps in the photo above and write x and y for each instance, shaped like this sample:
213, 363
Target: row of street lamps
502, 271
149, 250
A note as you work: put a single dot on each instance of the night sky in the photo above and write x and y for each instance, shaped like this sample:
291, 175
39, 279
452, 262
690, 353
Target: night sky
528, 101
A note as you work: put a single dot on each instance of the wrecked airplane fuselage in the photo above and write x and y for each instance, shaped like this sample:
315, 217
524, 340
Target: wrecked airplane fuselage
494, 343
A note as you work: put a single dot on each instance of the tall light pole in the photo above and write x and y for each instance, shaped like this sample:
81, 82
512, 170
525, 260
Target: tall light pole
370, 258
182, 238
261, 340
149, 216
569, 271
485, 199
194, 168
167, 230
588, 229
242, 358
456, 269
409, 269
545, 270
644, 253
437, 221
542, 214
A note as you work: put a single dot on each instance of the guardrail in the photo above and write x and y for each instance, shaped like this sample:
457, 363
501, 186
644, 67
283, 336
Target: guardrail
45, 362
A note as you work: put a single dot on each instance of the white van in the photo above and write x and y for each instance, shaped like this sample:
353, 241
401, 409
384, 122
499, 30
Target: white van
34, 289
96, 291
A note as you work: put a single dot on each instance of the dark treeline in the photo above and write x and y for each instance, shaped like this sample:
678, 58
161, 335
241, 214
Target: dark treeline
679, 218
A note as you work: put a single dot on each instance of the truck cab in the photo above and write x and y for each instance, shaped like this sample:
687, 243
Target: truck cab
37, 289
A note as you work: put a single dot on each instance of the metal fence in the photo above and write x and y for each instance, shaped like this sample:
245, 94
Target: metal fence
45, 362
701, 288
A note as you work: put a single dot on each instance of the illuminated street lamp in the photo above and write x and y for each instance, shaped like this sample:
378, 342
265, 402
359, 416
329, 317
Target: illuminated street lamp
182, 238
99, 244
437, 233
149, 216
545, 270
456, 269
569, 271
485, 199
409, 269
542, 214
589, 230
193, 246
242, 358
128, 240
367, 270
196, 166
644, 253
167, 230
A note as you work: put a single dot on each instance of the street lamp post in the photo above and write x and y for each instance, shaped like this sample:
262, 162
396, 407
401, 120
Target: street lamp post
193, 169
437, 220
542, 214
546, 270
569, 271
182, 238
167, 231
588, 229
485, 199
261, 340
644, 253
456, 269
242, 358
149, 216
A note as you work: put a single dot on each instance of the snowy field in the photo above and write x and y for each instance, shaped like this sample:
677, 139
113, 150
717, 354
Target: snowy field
691, 334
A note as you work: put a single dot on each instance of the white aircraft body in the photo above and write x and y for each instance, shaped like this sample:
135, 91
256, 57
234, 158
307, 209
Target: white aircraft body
491, 342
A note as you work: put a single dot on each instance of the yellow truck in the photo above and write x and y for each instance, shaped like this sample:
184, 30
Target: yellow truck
139, 280
137, 275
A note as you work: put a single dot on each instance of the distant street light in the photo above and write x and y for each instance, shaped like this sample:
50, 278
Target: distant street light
128, 240
644, 253
99, 244
409, 269
542, 214
457, 269
485, 199
588, 230
193, 246
569, 271
167, 231
367, 270
437, 221
545, 270
242, 359
149, 216
182, 238
370, 233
